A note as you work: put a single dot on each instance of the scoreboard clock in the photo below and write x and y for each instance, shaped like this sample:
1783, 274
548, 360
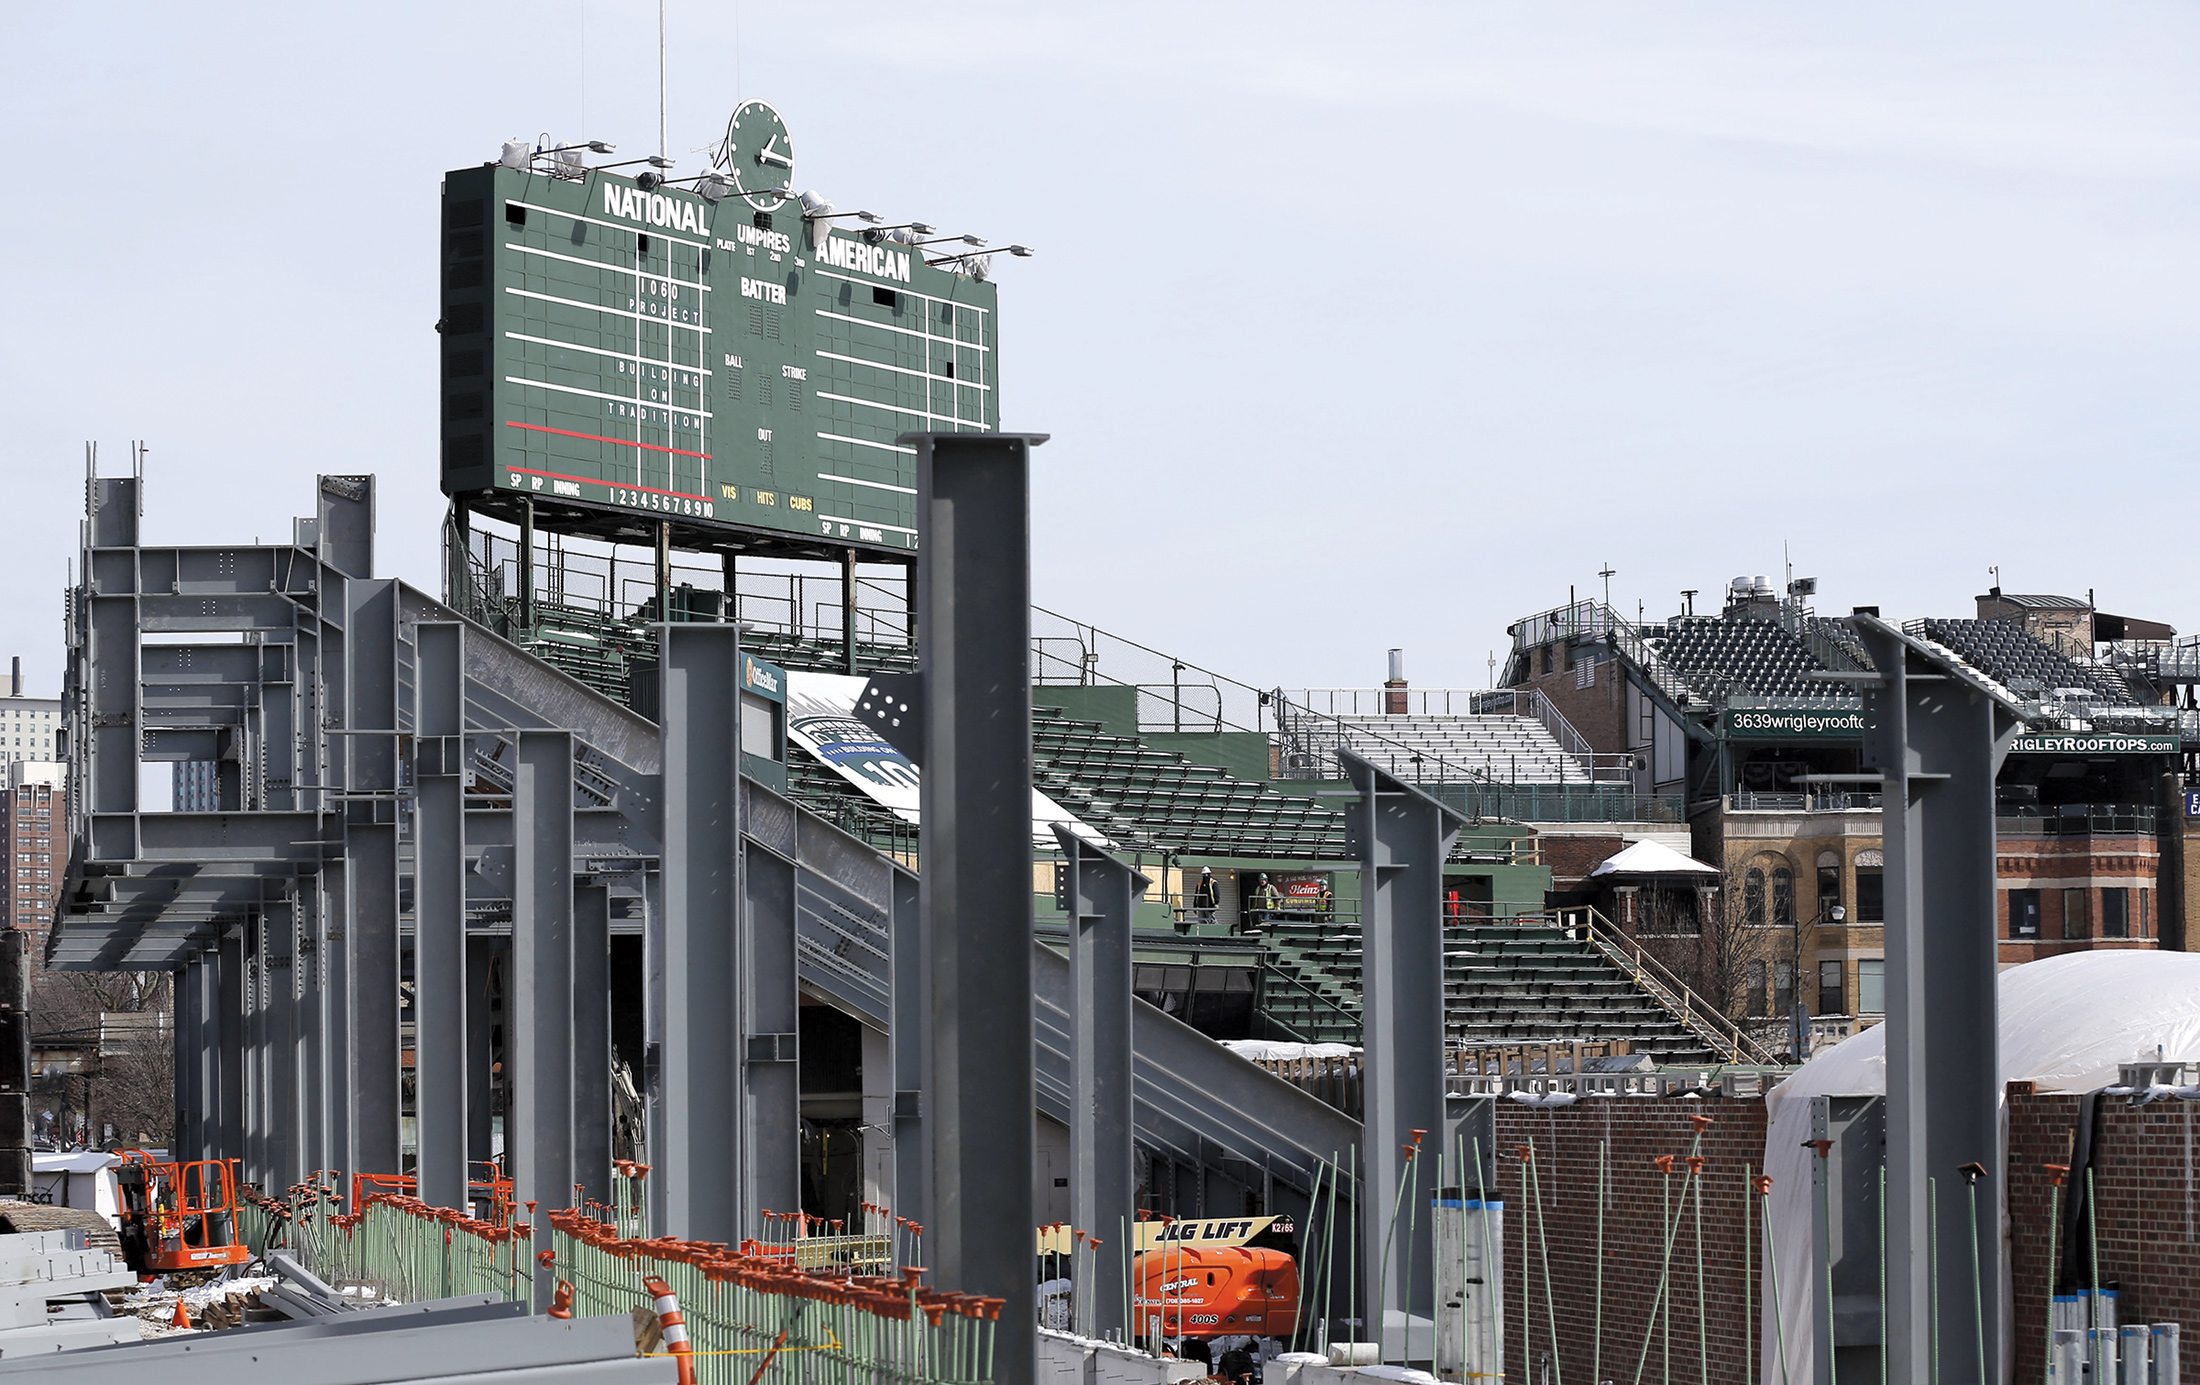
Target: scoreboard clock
621, 355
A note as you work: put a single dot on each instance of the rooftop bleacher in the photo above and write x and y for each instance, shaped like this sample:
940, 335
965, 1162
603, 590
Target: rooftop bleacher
1496, 747
2024, 663
1717, 655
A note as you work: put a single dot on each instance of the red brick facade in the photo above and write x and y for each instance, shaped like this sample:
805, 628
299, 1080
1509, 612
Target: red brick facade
2146, 1168
2072, 876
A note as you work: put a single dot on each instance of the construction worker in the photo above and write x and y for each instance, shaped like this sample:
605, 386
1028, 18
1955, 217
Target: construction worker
1266, 900
1206, 897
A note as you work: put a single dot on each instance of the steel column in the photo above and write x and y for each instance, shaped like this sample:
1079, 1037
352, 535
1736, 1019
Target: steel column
229, 1043
482, 956
974, 602
308, 977
190, 1044
770, 1037
284, 1105
1099, 893
257, 1106
440, 1054
697, 1175
1939, 735
910, 1033
335, 890
539, 1011
1401, 836
371, 999
370, 847
591, 1042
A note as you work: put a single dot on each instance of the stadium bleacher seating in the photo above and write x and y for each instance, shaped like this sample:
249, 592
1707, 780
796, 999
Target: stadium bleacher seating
1716, 655
2024, 663
1502, 748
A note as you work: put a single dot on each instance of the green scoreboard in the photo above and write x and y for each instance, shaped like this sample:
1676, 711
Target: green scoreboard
617, 352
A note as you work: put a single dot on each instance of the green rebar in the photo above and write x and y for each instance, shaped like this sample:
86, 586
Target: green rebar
1543, 1254
1772, 1260
1932, 1252
1703, 1334
2054, 1271
1527, 1279
1596, 1350
1493, 1305
1672, 1229
1382, 1270
2093, 1307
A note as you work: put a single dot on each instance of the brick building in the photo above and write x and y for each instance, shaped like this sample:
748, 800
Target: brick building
34, 826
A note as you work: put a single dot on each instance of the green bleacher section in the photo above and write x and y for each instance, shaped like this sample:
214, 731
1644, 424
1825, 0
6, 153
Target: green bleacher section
1506, 982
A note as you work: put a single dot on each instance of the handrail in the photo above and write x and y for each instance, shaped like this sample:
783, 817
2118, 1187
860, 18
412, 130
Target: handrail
1268, 967
1706, 1021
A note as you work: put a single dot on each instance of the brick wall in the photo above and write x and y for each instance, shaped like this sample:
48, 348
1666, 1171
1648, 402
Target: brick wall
1633, 1132
2144, 1172
2146, 1167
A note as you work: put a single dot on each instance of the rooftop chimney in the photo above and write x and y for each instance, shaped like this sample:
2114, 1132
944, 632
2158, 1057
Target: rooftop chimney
1394, 691
15, 677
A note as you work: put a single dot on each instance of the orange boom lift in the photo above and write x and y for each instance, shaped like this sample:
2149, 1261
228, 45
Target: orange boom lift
178, 1216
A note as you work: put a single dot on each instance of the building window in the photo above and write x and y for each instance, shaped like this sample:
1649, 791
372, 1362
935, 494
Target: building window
2116, 912
1783, 897
2024, 913
1753, 898
1871, 986
2075, 923
1783, 988
2146, 924
1757, 989
1829, 882
1871, 895
1830, 999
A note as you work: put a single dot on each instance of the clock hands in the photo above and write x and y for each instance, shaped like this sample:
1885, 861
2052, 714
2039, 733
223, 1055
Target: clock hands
769, 154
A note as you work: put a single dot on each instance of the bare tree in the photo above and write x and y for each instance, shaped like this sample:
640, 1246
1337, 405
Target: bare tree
117, 1022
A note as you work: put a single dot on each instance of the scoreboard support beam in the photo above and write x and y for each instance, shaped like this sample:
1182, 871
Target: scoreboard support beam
526, 567
974, 589
848, 607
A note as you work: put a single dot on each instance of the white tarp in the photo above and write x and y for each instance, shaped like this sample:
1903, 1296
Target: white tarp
821, 718
1647, 857
2066, 1024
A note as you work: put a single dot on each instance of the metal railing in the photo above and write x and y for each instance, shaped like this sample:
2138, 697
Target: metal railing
2075, 820
1837, 801
1705, 1020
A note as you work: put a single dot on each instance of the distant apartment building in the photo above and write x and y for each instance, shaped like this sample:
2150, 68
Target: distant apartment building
28, 725
34, 828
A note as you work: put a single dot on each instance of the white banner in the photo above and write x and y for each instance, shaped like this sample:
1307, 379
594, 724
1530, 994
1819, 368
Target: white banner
821, 718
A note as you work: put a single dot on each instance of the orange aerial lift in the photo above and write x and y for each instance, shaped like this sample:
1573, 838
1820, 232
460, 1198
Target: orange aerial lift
178, 1216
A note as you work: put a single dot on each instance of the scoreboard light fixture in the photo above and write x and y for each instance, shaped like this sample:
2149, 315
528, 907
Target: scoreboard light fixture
654, 161
593, 146
1021, 252
875, 234
946, 240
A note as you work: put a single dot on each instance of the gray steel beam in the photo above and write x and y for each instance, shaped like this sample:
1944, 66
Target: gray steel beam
539, 1013
310, 969
591, 1043
1401, 836
336, 1075
1939, 734
441, 1061
974, 603
190, 1048
770, 1044
369, 756
482, 958
697, 1169
258, 1108
910, 1032
284, 1107
1099, 894
371, 999
229, 1042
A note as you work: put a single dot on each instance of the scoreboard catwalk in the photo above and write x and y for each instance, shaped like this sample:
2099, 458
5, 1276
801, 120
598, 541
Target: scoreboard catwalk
621, 354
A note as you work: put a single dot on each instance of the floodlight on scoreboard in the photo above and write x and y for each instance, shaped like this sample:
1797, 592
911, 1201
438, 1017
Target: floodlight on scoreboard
623, 356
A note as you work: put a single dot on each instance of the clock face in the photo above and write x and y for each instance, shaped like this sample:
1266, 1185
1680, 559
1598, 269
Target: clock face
758, 155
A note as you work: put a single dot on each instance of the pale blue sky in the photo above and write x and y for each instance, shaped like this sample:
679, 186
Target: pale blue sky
1355, 326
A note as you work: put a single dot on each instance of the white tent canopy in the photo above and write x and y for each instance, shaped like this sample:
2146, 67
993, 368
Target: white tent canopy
1649, 858
2066, 1024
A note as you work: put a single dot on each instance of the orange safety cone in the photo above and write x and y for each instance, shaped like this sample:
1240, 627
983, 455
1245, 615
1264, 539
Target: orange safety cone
182, 1320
